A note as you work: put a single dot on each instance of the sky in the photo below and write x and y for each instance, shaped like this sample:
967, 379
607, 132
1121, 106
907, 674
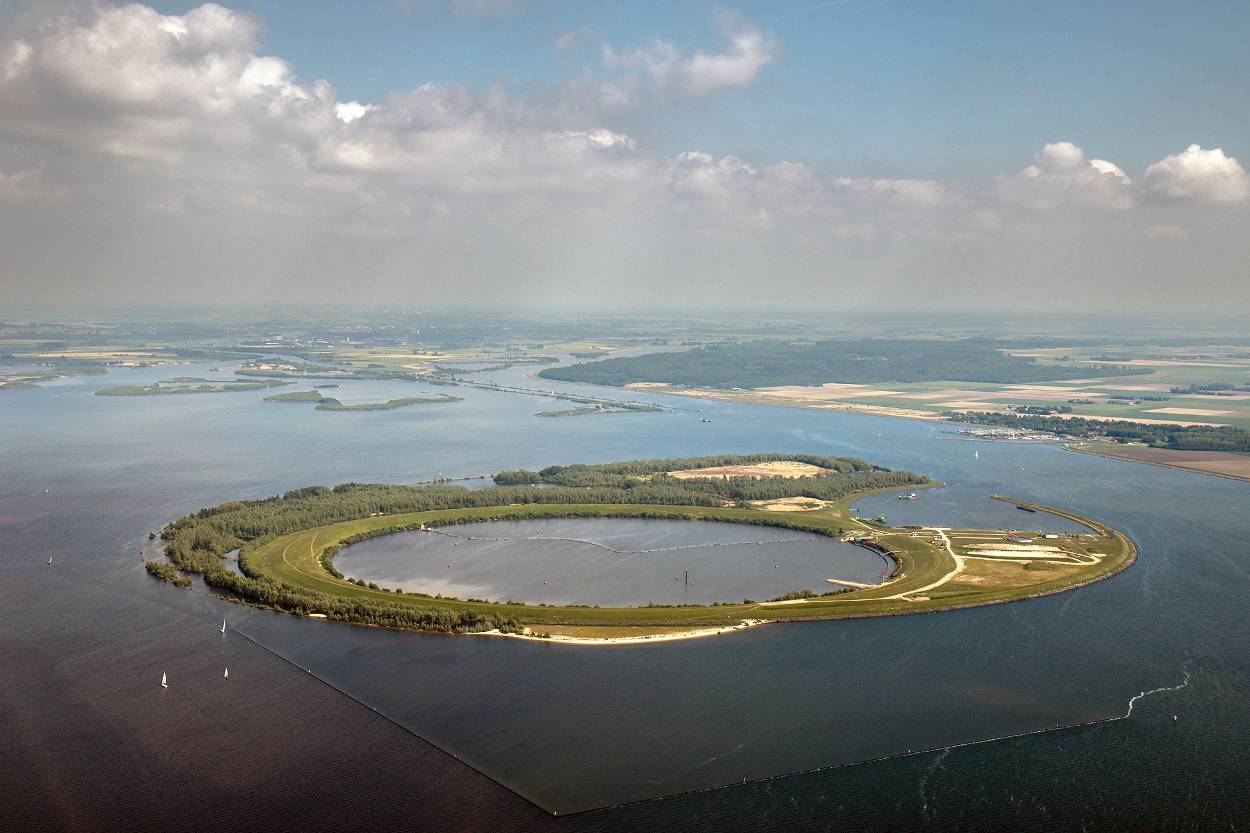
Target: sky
836, 155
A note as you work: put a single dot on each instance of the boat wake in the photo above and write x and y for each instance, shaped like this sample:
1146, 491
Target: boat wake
1133, 700
718, 757
924, 780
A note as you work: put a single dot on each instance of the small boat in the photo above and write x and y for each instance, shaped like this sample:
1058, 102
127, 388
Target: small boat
705, 419
223, 624
164, 680
49, 559
226, 675
911, 496
976, 455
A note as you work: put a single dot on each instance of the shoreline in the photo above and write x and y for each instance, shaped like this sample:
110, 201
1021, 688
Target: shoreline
641, 639
751, 397
873, 410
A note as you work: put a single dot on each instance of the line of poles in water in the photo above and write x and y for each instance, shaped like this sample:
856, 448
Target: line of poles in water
611, 549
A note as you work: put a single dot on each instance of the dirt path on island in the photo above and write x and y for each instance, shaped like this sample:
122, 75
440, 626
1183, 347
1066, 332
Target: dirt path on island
909, 595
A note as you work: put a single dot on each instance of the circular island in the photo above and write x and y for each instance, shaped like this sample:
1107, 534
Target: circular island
770, 521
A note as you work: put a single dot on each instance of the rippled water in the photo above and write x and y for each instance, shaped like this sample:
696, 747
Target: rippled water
89, 740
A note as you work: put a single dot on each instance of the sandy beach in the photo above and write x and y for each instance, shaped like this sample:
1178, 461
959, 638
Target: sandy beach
558, 639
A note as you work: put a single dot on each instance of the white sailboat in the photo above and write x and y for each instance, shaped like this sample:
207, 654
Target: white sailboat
226, 675
164, 680
976, 455
223, 624
49, 559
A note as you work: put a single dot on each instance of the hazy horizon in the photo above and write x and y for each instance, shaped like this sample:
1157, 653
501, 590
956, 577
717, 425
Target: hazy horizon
546, 156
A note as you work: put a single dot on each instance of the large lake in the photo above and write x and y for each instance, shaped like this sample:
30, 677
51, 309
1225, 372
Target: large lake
611, 562
313, 729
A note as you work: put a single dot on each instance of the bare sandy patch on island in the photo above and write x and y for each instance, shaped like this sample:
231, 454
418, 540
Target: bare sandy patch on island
791, 504
776, 468
646, 385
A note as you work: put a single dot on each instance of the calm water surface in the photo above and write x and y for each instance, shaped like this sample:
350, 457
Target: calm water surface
613, 562
90, 741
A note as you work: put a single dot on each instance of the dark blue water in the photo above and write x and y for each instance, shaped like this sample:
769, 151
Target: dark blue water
90, 741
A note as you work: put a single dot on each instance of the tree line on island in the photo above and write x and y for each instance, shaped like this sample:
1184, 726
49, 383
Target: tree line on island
198, 543
329, 403
851, 361
1177, 437
843, 475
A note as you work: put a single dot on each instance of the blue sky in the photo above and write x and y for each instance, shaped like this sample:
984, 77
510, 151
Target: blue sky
882, 87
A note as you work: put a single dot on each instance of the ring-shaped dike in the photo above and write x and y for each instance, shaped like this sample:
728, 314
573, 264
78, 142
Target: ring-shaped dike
937, 568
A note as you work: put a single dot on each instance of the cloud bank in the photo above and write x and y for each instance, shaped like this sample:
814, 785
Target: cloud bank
163, 157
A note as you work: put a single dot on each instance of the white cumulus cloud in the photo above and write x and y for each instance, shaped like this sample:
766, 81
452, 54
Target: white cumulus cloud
748, 50
1198, 175
1060, 175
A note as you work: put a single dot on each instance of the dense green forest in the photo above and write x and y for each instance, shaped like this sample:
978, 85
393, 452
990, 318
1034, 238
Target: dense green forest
297, 396
331, 404
198, 543
1179, 437
861, 361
